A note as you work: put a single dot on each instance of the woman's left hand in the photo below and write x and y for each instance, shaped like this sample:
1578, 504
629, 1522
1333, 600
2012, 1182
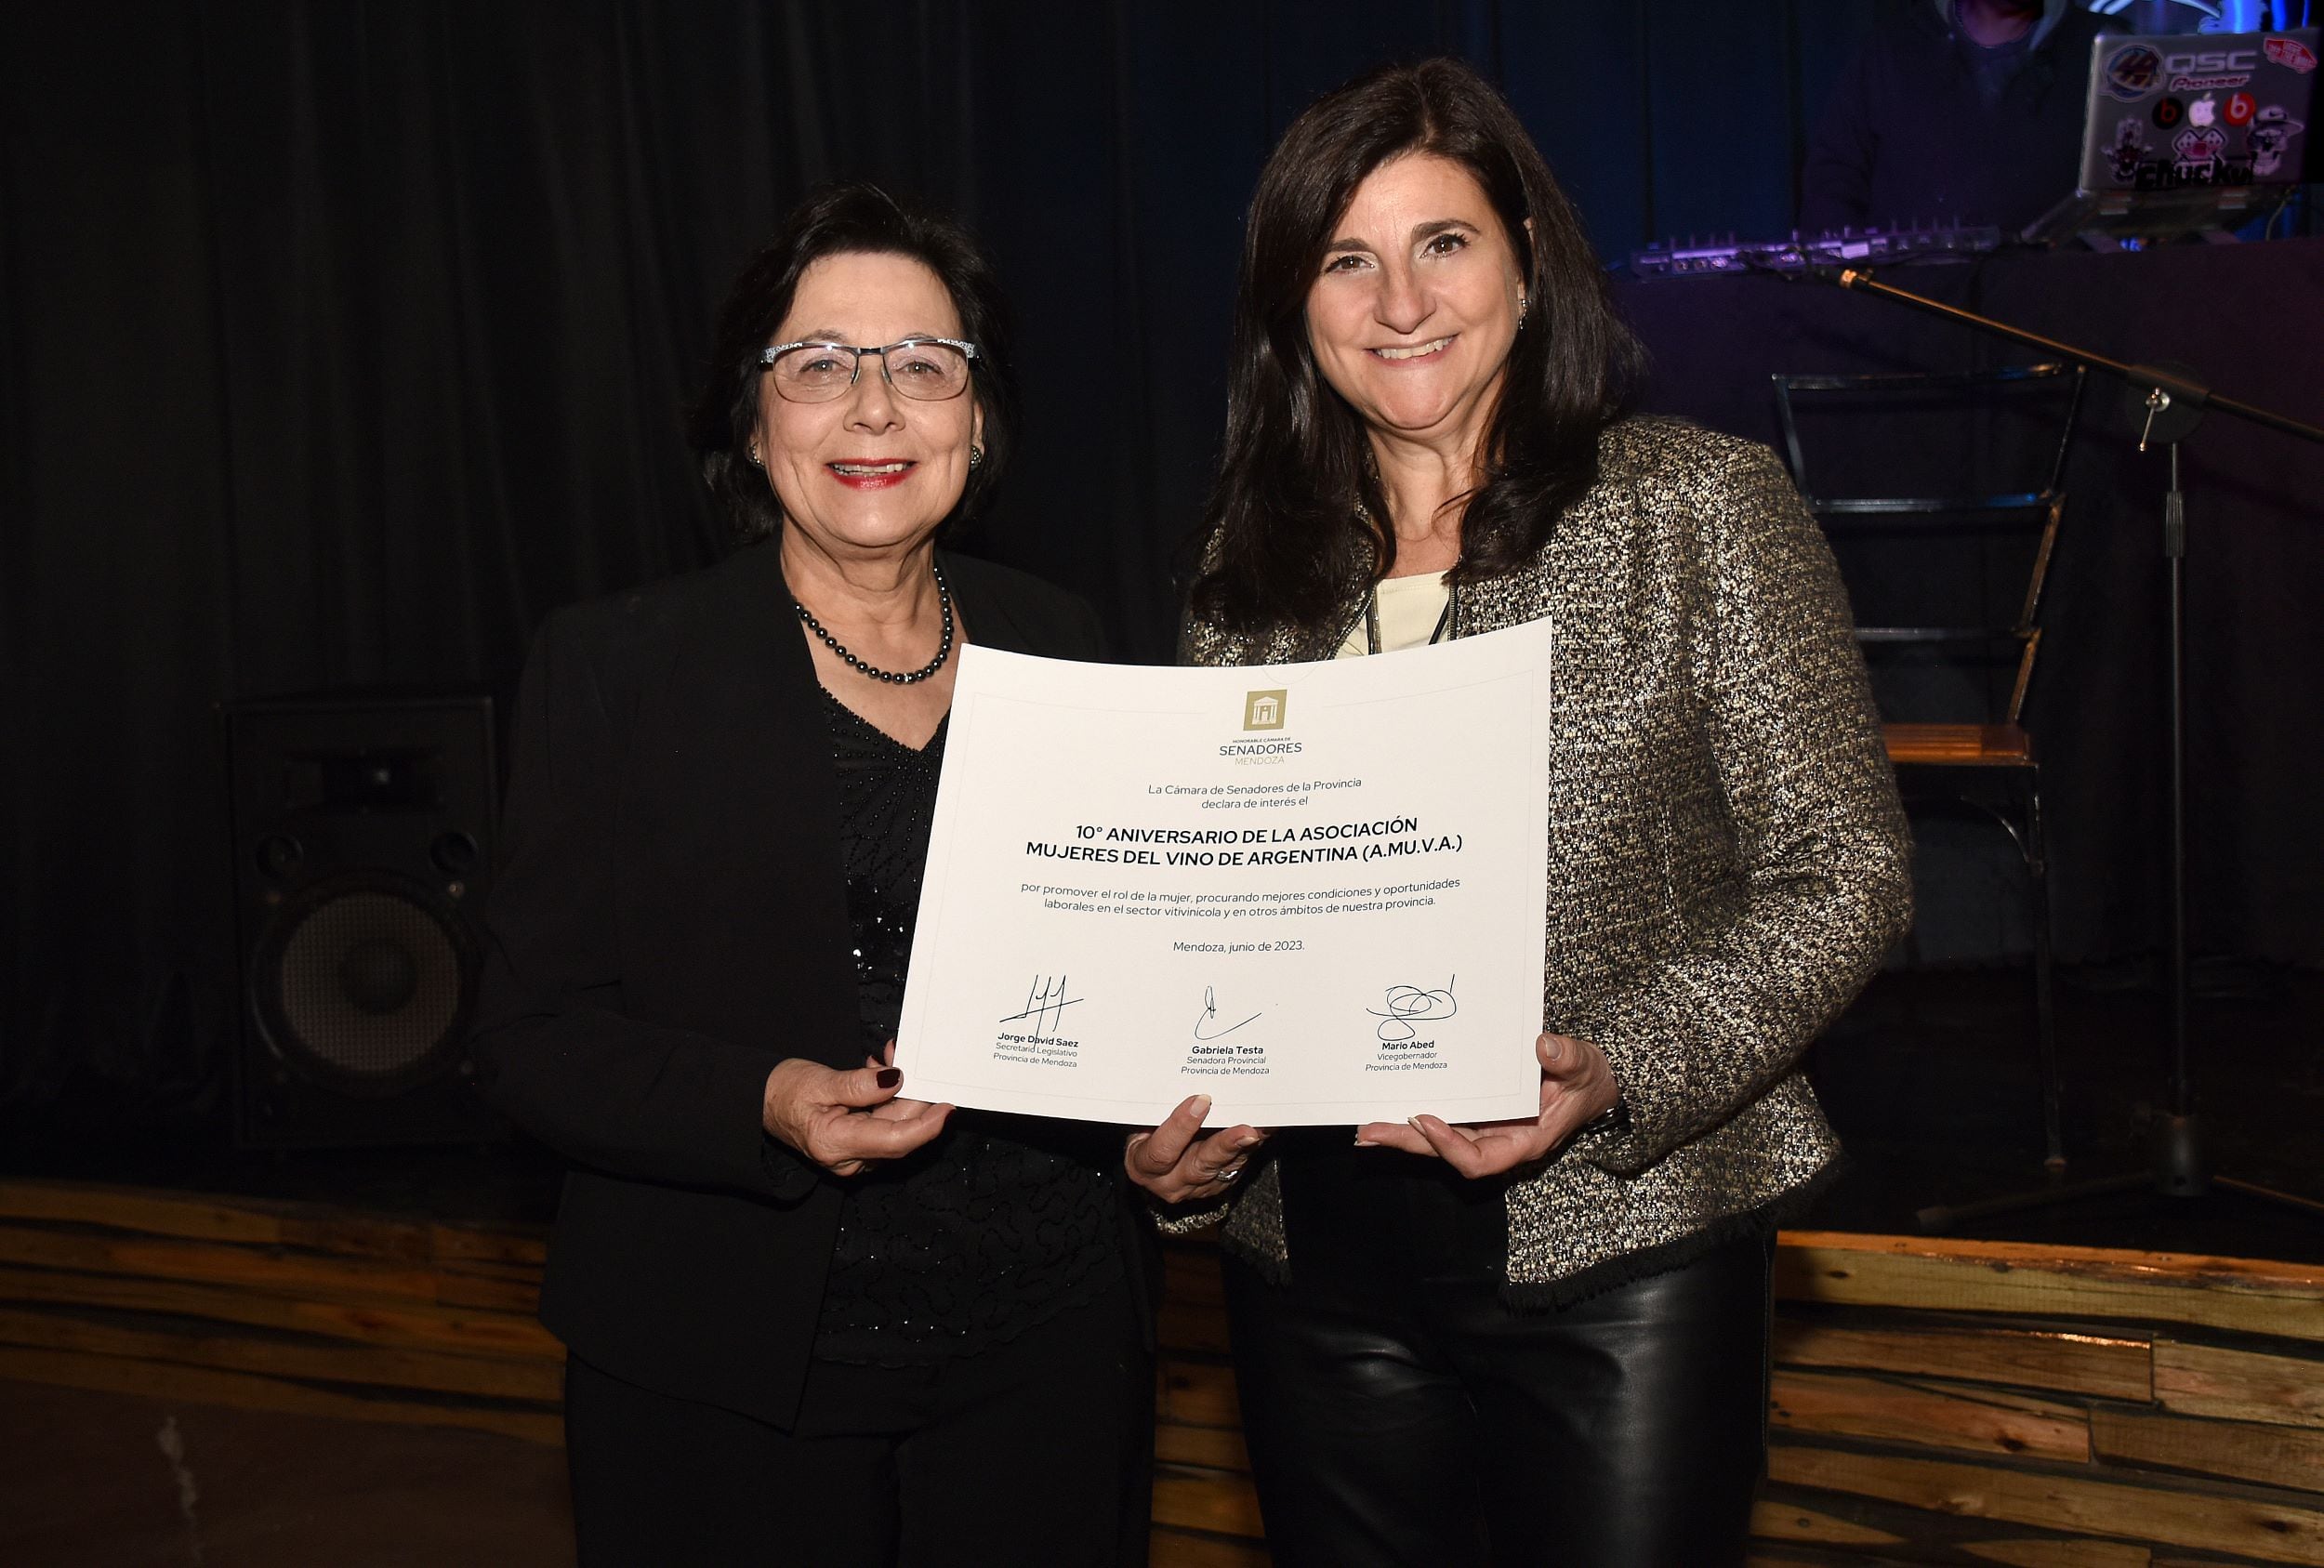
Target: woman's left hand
1578, 1087
898, 1109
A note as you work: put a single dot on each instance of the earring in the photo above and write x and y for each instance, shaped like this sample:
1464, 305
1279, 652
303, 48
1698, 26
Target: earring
976, 455
754, 456
1522, 302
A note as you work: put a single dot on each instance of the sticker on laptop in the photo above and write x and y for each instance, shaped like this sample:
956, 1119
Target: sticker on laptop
2199, 146
2132, 70
2270, 137
2292, 54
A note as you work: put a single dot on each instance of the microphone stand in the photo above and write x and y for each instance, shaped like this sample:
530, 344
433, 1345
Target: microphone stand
2175, 403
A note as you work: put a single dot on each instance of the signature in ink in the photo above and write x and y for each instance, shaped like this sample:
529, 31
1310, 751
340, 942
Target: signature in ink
1206, 1022
1409, 1005
1045, 1005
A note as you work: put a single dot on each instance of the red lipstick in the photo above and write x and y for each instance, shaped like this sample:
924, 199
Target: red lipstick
870, 473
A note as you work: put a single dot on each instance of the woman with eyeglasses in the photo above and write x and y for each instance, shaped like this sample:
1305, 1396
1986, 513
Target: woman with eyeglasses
809, 1319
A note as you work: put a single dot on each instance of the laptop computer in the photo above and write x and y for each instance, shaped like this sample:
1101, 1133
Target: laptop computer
2187, 134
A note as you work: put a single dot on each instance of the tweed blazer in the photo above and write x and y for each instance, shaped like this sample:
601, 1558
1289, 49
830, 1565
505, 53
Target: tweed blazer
1727, 858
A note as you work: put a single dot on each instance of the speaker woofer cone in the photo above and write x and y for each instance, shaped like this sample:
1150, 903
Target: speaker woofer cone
360, 984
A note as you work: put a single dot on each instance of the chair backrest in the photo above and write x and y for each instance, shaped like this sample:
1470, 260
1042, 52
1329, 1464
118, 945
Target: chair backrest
1941, 493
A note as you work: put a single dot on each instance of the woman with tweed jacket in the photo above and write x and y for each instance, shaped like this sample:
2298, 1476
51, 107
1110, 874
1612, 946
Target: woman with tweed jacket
1545, 1341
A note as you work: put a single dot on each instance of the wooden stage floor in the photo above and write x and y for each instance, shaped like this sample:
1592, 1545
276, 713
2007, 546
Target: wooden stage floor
1953, 1401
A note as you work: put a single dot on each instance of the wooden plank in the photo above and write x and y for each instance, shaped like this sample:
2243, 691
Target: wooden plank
2238, 1385
1191, 1274
1781, 1520
2052, 1552
249, 1268
1167, 1548
2078, 1364
525, 1245
2243, 1295
1217, 1448
497, 1289
2273, 1531
1185, 1326
132, 1208
409, 1326
1196, 1392
275, 1271
260, 1222
1956, 745
1958, 1415
2288, 1456
205, 1386
278, 1357
1214, 1500
338, 1234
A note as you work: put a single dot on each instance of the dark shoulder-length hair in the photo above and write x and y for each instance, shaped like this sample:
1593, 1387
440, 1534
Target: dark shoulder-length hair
1283, 534
843, 220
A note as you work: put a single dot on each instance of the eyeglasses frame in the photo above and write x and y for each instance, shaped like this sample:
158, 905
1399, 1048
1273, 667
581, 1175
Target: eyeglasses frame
968, 350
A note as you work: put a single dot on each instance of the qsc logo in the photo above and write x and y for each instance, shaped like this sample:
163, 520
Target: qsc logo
2132, 71
2212, 61
1264, 710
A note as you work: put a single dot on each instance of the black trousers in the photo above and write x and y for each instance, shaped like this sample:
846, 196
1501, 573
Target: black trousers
1398, 1413
1037, 1451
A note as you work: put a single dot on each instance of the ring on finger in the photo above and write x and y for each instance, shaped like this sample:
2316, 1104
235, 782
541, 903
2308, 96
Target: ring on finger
1225, 1175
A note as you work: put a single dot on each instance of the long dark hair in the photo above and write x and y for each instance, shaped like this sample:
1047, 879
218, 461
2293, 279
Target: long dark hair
843, 220
1282, 534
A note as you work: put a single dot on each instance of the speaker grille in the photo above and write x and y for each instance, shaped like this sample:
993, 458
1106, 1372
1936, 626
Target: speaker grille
361, 983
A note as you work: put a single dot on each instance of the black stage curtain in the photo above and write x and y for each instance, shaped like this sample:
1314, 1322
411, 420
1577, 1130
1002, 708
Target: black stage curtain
343, 341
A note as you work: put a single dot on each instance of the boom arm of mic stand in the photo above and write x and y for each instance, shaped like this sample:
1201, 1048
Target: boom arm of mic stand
2178, 386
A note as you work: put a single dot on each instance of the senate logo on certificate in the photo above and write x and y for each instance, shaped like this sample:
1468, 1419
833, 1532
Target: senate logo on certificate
1263, 710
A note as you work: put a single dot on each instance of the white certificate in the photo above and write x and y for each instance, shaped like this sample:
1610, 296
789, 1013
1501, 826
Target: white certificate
1311, 891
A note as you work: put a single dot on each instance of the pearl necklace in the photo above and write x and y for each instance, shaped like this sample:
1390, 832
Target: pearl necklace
944, 647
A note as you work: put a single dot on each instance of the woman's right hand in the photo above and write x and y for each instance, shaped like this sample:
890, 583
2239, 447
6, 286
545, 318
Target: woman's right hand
1175, 1162
846, 1120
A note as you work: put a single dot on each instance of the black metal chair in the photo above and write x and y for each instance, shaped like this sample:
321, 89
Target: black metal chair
1967, 741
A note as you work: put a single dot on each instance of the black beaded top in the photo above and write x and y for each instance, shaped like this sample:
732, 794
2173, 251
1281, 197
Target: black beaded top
977, 1236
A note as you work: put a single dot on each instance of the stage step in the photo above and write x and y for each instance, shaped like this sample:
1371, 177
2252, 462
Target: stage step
1933, 1400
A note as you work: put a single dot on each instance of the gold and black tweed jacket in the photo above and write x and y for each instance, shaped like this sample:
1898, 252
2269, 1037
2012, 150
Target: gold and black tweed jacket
1727, 858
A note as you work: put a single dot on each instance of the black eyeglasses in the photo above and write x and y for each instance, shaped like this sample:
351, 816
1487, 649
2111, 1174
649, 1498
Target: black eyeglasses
925, 369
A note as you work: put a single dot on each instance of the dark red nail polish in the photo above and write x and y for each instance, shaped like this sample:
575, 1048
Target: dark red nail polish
890, 1076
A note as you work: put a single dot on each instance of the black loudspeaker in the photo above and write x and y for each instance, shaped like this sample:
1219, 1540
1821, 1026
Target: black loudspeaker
363, 843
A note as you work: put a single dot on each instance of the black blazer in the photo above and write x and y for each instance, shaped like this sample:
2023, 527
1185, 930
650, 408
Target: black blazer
670, 923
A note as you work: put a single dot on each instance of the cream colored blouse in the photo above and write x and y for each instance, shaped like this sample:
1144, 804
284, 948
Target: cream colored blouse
1409, 609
